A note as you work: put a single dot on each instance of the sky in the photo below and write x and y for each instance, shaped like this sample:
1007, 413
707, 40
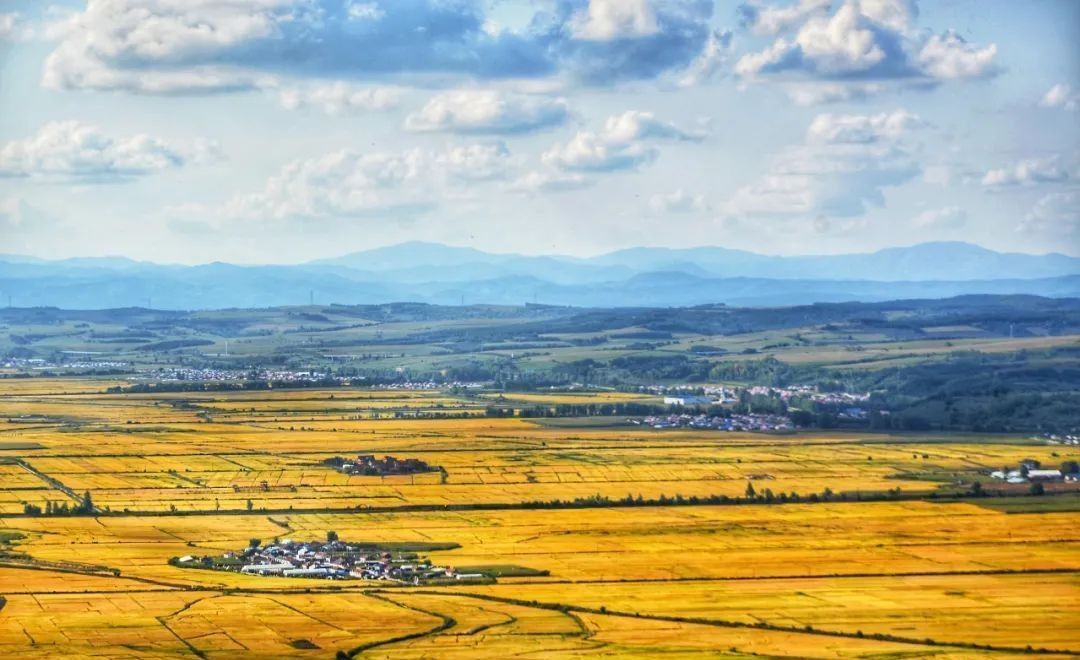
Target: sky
280, 131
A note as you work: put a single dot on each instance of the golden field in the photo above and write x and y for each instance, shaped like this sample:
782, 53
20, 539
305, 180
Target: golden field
910, 578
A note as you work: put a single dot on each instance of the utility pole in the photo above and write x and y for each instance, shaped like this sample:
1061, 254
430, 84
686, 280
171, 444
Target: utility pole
226, 348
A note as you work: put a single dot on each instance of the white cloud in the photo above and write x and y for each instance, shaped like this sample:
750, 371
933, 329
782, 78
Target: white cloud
949, 217
770, 20
678, 201
1061, 95
862, 129
636, 125
111, 45
338, 97
948, 57
588, 151
549, 182
487, 111
476, 162
896, 15
343, 183
607, 20
364, 11
807, 94
1056, 214
1027, 172
70, 149
623, 144
709, 63
347, 183
202, 46
843, 168
865, 41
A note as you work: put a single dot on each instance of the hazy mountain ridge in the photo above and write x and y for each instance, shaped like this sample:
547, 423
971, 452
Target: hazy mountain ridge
429, 272
925, 261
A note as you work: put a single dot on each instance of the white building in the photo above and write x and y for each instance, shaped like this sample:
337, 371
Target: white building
687, 400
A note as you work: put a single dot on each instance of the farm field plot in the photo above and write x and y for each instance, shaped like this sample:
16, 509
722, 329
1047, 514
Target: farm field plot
915, 577
992, 609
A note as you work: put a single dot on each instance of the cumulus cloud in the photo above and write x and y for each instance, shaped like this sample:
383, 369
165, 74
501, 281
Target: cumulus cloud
678, 201
861, 129
770, 20
1056, 215
348, 183
625, 143
606, 20
343, 183
1061, 95
807, 94
844, 166
476, 162
549, 181
949, 217
1027, 172
201, 46
338, 97
948, 57
710, 62
487, 111
863, 41
600, 42
73, 150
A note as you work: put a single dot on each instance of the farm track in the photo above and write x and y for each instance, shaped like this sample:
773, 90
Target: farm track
722, 623
446, 624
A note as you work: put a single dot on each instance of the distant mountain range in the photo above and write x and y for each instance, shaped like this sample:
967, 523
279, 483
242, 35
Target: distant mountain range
430, 272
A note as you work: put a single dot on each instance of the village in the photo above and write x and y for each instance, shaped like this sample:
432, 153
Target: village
331, 560
736, 422
368, 465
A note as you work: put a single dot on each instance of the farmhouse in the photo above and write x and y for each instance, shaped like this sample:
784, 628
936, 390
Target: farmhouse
368, 465
1023, 476
687, 400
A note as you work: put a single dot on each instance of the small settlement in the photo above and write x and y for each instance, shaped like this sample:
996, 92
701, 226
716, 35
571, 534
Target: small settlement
368, 465
736, 422
1031, 471
331, 560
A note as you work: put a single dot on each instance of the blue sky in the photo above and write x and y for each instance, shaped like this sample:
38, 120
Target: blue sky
286, 130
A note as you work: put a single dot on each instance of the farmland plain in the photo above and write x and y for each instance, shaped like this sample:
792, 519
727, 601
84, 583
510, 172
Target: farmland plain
644, 539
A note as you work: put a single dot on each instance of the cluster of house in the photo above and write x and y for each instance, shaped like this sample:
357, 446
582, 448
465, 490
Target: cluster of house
332, 560
26, 363
1031, 471
1062, 439
70, 363
423, 385
812, 393
749, 422
174, 374
369, 465
716, 395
